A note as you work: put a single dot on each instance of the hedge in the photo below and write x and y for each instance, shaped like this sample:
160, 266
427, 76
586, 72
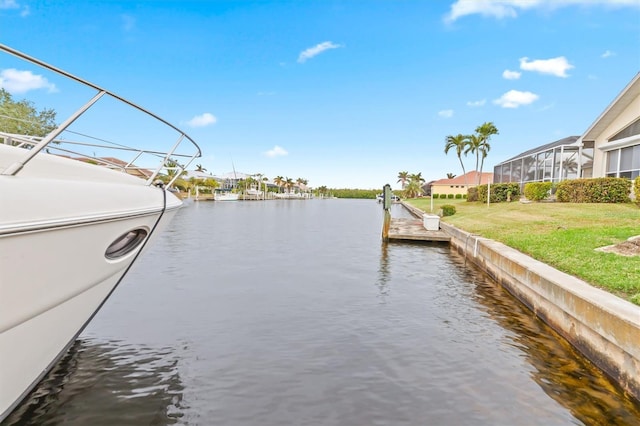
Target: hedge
472, 193
596, 190
536, 191
500, 192
636, 189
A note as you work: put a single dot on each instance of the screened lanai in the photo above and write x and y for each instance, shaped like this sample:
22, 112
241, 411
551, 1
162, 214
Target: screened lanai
563, 159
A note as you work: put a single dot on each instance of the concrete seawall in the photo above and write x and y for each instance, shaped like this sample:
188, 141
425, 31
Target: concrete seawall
603, 327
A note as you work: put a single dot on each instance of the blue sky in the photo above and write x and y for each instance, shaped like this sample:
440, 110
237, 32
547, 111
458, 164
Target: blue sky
341, 93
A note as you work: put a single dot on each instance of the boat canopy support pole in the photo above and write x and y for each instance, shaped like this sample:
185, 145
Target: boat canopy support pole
14, 168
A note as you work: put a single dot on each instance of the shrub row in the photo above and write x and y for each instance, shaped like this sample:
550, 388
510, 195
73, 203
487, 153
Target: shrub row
636, 190
536, 191
500, 192
596, 190
450, 196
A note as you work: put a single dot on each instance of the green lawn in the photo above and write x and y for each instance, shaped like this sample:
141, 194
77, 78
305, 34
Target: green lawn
563, 235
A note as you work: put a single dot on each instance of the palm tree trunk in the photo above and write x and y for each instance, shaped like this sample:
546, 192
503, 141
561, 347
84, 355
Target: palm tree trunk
464, 173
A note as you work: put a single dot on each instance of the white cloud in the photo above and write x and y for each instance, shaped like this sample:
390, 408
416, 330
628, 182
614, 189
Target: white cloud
515, 98
607, 54
202, 120
15, 81
554, 66
316, 50
511, 75
479, 103
446, 113
276, 151
509, 8
9, 4
12, 4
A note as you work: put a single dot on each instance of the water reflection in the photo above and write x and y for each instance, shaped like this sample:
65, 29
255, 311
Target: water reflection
295, 314
106, 384
383, 272
558, 368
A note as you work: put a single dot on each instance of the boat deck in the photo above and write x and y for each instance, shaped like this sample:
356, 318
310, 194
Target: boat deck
402, 229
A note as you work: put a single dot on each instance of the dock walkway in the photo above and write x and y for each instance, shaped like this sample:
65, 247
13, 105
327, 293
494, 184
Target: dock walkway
402, 229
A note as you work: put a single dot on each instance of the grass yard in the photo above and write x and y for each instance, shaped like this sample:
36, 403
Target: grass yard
563, 235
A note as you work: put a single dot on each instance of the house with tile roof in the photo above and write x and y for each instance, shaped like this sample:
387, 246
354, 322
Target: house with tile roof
460, 184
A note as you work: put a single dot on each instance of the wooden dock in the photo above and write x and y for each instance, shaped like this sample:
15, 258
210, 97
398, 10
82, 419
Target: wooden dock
413, 230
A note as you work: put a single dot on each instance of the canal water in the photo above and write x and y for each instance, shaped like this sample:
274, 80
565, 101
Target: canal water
292, 312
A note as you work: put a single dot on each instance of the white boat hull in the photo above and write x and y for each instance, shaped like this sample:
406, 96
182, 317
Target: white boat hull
76, 210
60, 291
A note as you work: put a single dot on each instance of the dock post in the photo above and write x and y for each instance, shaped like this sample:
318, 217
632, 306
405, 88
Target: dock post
386, 204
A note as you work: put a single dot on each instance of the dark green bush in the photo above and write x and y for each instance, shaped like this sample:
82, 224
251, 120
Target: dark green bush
636, 189
596, 190
500, 192
434, 196
448, 210
450, 196
443, 196
458, 196
536, 191
472, 194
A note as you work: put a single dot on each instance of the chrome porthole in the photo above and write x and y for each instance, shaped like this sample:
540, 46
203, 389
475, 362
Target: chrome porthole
125, 243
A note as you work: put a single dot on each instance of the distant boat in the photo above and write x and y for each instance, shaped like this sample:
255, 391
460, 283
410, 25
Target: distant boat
226, 196
72, 222
292, 195
394, 198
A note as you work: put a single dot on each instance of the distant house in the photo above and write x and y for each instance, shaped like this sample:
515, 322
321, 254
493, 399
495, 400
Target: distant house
426, 188
116, 164
459, 184
131, 169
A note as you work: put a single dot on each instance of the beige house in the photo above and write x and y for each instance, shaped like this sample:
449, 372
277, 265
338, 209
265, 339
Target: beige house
616, 135
610, 147
460, 184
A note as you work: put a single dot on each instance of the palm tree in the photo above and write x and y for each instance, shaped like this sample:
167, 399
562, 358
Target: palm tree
279, 180
288, 184
403, 177
414, 187
460, 143
485, 131
450, 175
199, 168
417, 177
474, 142
302, 182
